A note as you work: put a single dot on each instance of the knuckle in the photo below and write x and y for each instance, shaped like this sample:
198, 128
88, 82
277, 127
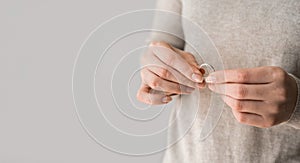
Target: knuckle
153, 43
190, 58
282, 94
164, 73
239, 105
276, 109
277, 73
269, 124
241, 118
173, 88
138, 95
242, 91
189, 55
178, 89
159, 43
155, 83
242, 76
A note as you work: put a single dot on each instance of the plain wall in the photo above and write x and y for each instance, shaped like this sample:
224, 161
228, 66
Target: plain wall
39, 43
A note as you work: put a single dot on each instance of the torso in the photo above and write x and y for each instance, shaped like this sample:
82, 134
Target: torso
247, 33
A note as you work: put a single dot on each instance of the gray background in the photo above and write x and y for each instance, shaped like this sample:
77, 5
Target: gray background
39, 41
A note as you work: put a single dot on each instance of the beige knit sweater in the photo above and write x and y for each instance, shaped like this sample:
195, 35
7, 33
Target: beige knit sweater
247, 33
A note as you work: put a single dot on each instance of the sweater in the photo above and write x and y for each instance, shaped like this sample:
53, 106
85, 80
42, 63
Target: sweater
246, 33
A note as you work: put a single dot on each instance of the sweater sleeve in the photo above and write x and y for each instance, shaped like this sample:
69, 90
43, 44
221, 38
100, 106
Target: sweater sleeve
294, 121
168, 19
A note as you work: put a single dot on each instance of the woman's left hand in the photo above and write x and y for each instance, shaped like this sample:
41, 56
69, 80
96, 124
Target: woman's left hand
261, 97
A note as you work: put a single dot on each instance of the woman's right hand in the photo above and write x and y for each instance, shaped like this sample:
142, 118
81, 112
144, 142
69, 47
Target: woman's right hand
167, 71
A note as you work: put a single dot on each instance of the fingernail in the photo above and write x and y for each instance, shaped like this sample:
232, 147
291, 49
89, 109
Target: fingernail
197, 78
166, 99
201, 85
210, 79
189, 89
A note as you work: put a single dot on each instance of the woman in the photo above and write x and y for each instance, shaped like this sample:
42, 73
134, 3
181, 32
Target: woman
259, 43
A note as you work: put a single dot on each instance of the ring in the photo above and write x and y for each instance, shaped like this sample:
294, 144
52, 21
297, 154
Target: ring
208, 69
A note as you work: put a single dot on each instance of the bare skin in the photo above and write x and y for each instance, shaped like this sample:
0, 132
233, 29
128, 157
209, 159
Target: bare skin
167, 71
261, 97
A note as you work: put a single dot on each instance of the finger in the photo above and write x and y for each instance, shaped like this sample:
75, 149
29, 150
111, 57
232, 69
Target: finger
248, 118
147, 95
172, 75
157, 83
185, 55
190, 58
201, 85
165, 53
257, 107
166, 72
250, 75
242, 91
